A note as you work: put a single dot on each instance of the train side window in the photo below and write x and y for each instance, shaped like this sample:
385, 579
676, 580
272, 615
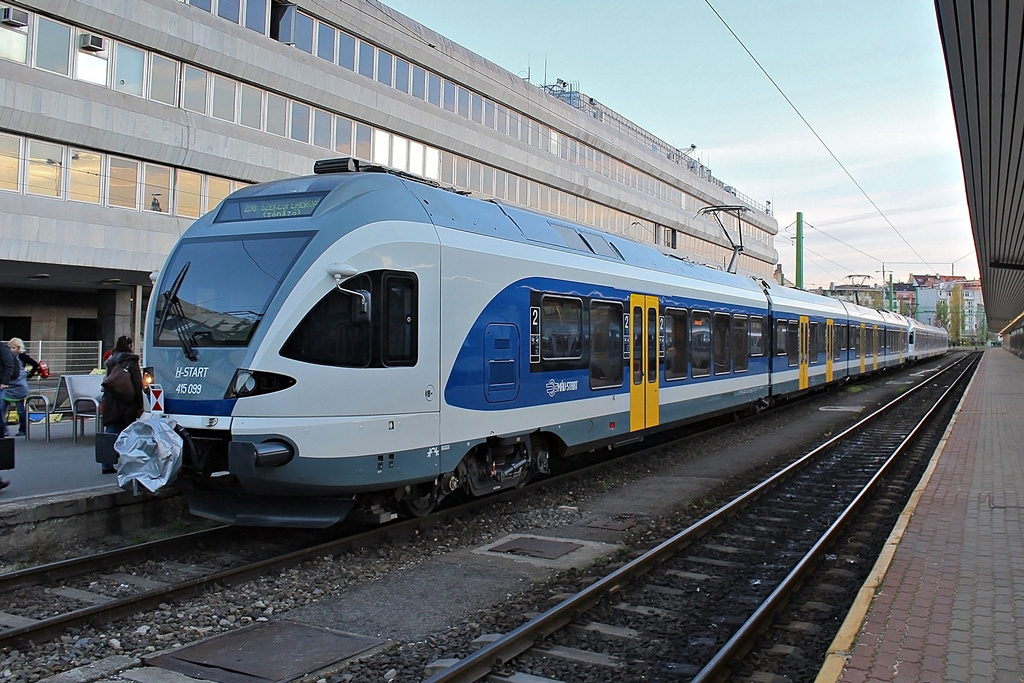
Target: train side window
399, 320
722, 338
756, 331
793, 343
700, 343
605, 344
781, 332
740, 343
676, 334
561, 328
333, 332
812, 344
837, 341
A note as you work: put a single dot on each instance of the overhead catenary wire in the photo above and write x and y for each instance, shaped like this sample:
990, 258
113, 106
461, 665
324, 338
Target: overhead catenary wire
817, 136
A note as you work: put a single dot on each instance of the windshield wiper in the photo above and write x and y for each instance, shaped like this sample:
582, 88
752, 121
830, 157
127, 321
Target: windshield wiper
172, 304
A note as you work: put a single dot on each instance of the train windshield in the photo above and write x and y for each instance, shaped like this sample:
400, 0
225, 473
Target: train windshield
221, 288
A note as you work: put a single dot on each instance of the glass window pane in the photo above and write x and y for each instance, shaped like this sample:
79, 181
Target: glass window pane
91, 66
400, 320
326, 40
561, 328
432, 164
300, 122
202, 4
14, 45
401, 75
53, 46
415, 158
346, 51
256, 15
10, 153
419, 83
84, 176
364, 138
228, 9
251, 110
163, 78
216, 190
434, 89
189, 192
740, 344
277, 115
449, 96
477, 108
384, 67
45, 168
322, 128
463, 107
194, 98
366, 59
129, 65
223, 98
157, 193
381, 147
700, 344
123, 190
400, 153
343, 135
304, 32
606, 364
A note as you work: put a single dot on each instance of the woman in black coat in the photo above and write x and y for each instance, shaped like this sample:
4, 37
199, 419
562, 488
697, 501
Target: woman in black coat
118, 414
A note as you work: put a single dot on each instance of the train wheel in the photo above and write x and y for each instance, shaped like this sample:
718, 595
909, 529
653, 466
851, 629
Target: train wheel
422, 500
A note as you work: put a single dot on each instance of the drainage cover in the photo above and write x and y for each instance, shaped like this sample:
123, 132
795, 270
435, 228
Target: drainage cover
537, 547
272, 652
615, 524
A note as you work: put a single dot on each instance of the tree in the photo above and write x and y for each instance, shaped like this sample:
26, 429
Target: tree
956, 314
942, 314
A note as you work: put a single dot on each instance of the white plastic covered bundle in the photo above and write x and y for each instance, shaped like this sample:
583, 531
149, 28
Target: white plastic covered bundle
149, 452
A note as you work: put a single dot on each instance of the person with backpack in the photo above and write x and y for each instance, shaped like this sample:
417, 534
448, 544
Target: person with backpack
8, 374
27, 367
122, 401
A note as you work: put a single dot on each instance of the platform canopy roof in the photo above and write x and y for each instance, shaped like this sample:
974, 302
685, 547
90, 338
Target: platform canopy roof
983, 43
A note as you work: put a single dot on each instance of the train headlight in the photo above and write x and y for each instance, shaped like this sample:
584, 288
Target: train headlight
255, 382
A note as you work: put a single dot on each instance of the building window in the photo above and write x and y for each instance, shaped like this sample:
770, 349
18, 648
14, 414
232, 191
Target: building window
326, 41
277, 115
250, 111
346, 51
84, 176
14, 43
364, 141
229, 9
163, 79
157, 191
256, 15
194, 84
384, 67
300, 122
45, 169
322, 121
53, 46
343, 135
10, 155
401, 75
366, 59
123, 189
217, 189
129, 69
91, 63
223, 98
304, 32
189, 193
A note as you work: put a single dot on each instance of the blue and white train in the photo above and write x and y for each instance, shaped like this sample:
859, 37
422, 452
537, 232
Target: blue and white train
360, 341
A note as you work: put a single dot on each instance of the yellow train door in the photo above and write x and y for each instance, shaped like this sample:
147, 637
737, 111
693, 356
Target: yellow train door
829, 348
644, 380
805, 351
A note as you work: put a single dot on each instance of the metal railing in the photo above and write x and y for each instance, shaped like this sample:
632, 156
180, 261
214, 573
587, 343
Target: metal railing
67, 358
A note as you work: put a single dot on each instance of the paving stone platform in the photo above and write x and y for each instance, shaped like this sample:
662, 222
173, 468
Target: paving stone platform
946, 600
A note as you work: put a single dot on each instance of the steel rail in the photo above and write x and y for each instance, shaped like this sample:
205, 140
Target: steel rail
718, 664
482, 663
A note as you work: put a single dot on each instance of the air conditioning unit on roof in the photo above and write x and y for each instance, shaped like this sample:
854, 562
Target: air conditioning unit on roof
91, 42
12, 16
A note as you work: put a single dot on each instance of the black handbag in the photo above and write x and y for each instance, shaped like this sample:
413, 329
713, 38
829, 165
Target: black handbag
7, 453
118, 383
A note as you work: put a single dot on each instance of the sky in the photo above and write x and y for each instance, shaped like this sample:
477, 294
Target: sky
861, 139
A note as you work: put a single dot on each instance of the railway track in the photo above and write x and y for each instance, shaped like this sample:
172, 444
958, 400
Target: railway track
41, 603
690, 608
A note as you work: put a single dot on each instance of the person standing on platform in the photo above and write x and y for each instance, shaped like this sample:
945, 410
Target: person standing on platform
8, 367
28, 367
118, 413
